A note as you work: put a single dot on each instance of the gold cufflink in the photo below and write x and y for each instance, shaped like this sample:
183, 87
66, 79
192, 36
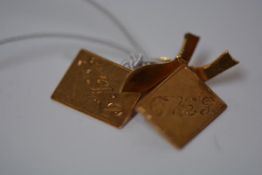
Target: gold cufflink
92, 85
176, 99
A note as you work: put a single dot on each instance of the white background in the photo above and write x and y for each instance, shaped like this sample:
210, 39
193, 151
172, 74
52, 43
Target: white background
39, 136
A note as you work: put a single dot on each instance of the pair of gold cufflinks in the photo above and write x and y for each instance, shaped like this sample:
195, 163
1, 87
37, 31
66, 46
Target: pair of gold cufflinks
171, 95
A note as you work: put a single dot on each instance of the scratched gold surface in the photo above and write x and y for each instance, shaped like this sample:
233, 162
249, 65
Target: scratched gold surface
92, 85
181, 106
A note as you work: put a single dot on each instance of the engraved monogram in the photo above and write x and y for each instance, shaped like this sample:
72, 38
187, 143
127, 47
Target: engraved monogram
99, 88
92, 85
182, 106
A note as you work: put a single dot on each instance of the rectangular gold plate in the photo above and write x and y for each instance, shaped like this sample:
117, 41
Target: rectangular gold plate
92, 85
181, 106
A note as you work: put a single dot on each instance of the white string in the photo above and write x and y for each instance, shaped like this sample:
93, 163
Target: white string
120, 26
134, 59
80, 37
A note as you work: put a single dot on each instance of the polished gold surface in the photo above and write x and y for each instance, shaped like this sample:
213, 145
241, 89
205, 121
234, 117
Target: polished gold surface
188, 47
92, 86
181, 106
221, 64
147, 77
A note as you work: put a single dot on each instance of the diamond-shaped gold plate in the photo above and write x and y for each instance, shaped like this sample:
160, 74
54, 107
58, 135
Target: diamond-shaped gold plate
92, 85
181, 106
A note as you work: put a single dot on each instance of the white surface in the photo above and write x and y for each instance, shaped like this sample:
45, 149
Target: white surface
39, 136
